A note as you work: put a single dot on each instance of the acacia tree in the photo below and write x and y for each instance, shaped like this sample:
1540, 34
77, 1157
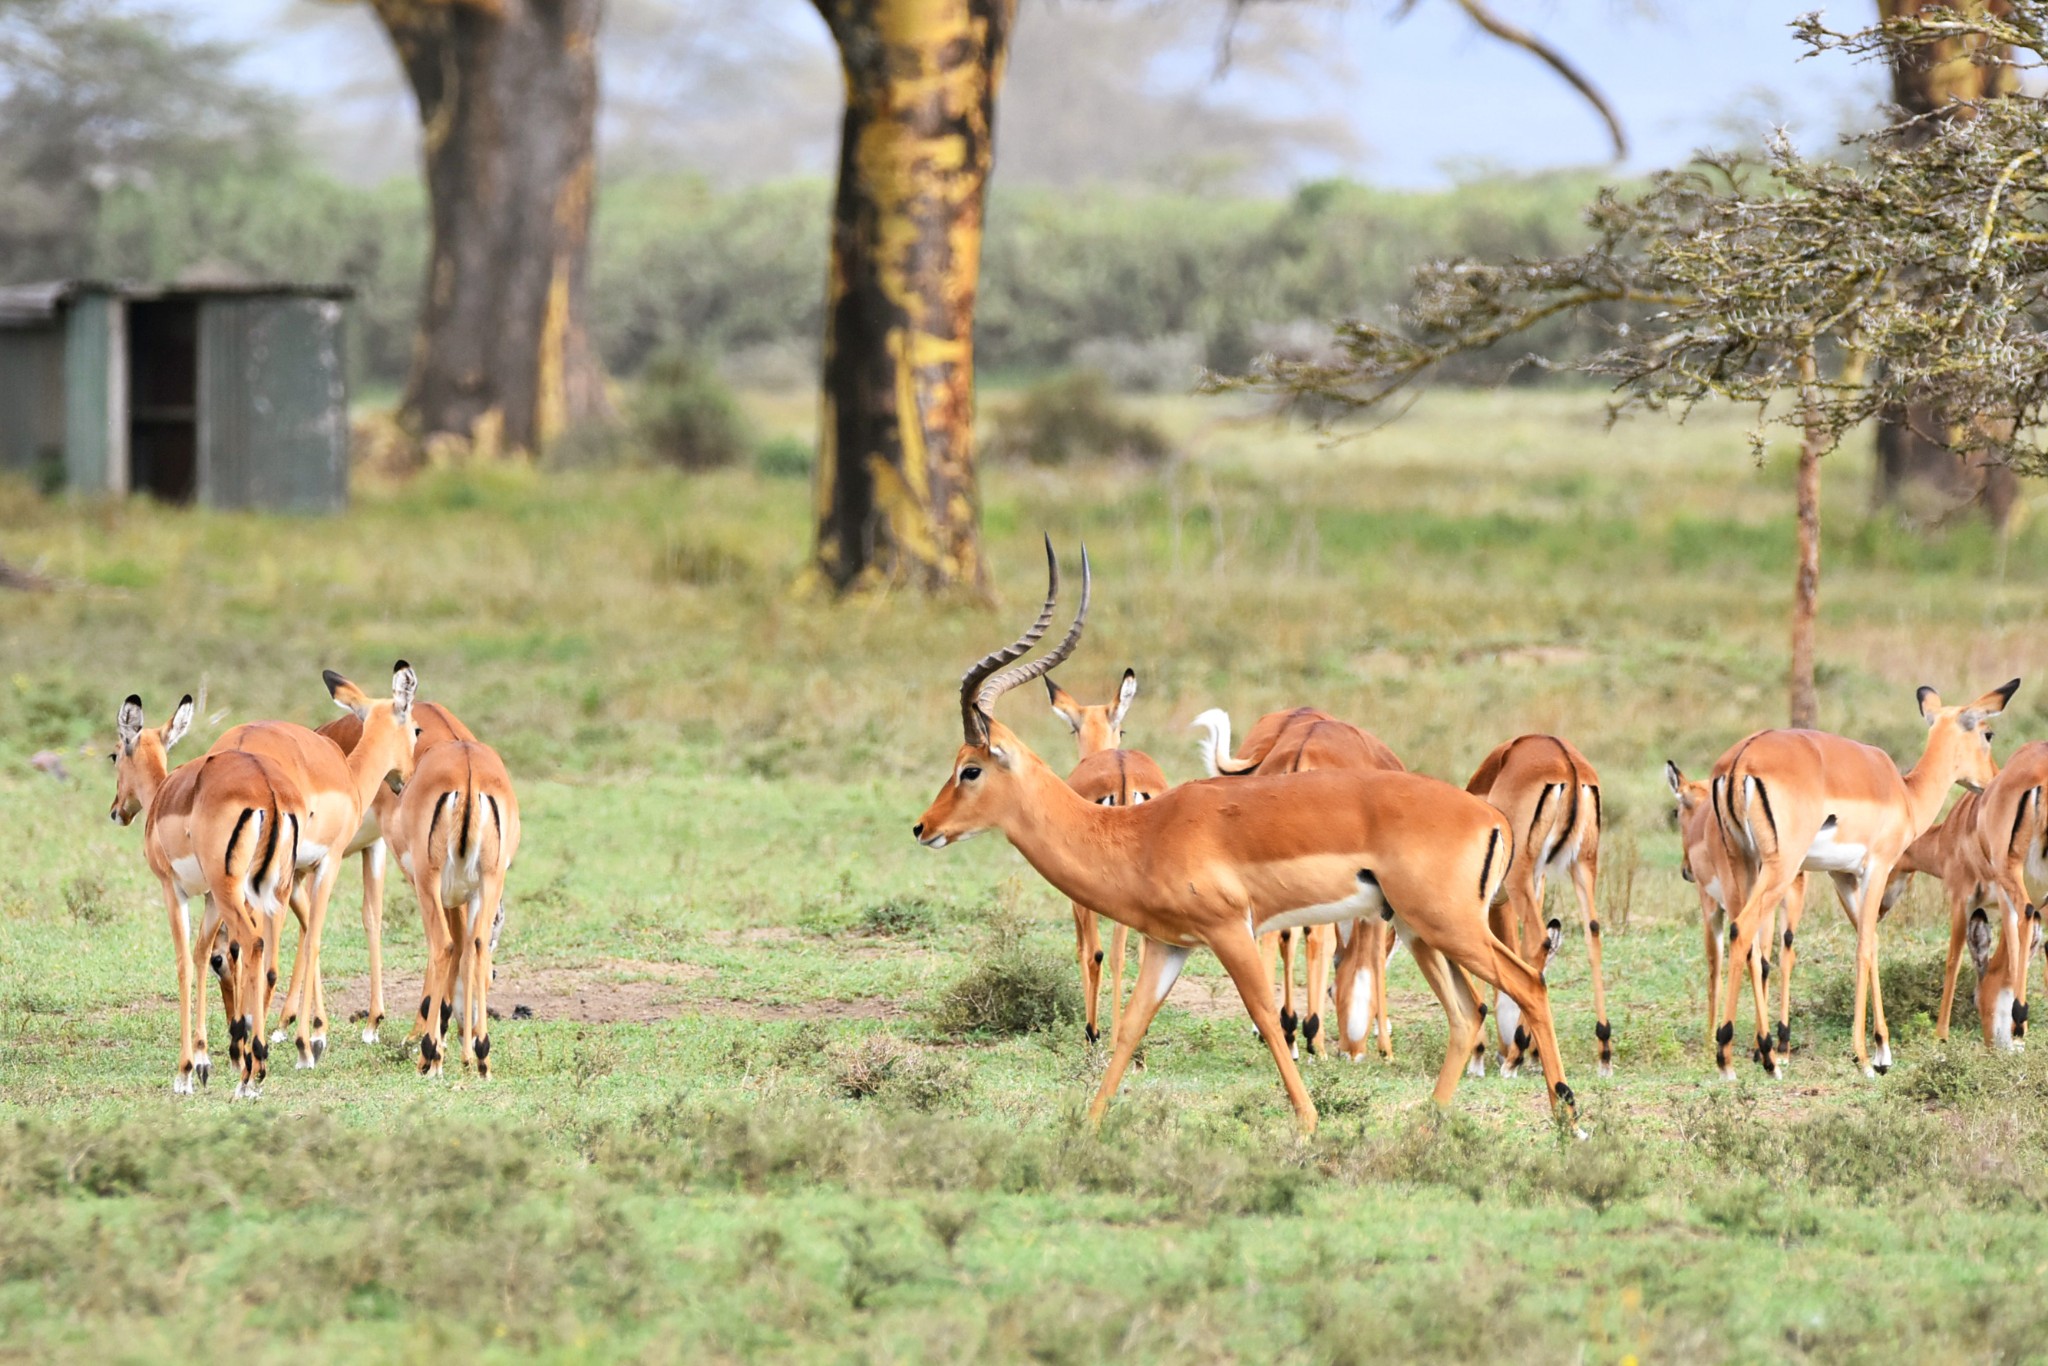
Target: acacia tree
507, 92
1947, 76
1735, 281
896, 497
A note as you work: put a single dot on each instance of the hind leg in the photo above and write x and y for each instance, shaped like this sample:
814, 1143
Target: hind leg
1585, 876
1159, 965
373, 933
1088, 954
1119, 939
1461, 1012
1318, 943
1795, 910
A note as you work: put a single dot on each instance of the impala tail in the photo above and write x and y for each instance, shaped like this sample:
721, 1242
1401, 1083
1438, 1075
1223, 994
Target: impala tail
1214, 745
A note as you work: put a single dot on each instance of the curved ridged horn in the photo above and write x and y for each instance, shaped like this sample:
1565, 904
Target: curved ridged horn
972, 718
1045, 663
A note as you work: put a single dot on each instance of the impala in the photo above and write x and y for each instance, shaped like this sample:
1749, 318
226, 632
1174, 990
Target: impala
223, 826
1793, 799
1551, 797
1704, 862
338, 788
1107, 775
433, 724
1305, 740
1214, 864
456, 833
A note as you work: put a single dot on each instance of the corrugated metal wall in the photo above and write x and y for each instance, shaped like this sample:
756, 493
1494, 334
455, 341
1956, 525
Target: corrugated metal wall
95, 395
273, 404
32, 400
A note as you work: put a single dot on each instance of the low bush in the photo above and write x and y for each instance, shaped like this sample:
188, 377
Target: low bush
1072, 418
686, 414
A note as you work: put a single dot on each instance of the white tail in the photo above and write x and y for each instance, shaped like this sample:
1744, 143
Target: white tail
1214, 744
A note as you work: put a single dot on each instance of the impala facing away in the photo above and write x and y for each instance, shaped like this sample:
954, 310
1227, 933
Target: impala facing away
1793, 799
433, 724
1551, 797
1107, 775
339, 789
456, 833
1304, 740
1704, 862
223, 826
1213, 864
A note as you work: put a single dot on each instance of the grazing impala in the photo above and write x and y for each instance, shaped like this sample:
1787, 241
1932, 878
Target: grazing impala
1107, 775
338, 788
1704, 862
1305, 740
1213, 864
1551, 797
433, 724
1793, 799
456, 833
223, 826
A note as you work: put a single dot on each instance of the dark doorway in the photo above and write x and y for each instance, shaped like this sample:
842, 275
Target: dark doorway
163, 404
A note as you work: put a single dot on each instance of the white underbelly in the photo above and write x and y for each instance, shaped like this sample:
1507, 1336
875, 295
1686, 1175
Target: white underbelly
1830, 854
1366, 901
187, 874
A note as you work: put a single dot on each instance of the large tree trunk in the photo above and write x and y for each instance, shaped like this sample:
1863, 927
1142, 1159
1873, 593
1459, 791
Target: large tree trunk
507, 91
1917, 465
896, 497
1806, 583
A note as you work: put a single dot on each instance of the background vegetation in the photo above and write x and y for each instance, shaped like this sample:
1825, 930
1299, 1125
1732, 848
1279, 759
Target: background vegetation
755, 1114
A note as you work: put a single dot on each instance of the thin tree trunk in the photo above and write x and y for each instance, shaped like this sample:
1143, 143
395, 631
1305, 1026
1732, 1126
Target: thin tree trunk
896, 496
1806, 585
507, 91
1917, 462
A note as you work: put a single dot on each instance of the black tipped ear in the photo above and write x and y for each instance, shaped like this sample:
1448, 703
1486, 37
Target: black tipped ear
1930, 702
1675, 778
1978, 937
1052, 690
180, 722
400, 667
129, 720
333, 681
2005, 693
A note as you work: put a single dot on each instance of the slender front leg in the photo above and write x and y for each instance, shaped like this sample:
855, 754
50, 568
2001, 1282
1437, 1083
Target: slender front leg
1585, 876
480, 981
312, 1027
1958, 921
181, 947
1088, 954
1355, 972
1712, 918
1290, 1020
1318, 942
1159, 965
1240, 958
1119, 938
294, 992
1866, 976
373, 931
1795, 910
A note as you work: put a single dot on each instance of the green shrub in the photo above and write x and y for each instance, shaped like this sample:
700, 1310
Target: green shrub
783, 457
1073, 417
687, 416
908, 916
1015, 988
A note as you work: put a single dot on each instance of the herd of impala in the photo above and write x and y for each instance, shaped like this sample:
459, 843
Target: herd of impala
265, 819
1314, 825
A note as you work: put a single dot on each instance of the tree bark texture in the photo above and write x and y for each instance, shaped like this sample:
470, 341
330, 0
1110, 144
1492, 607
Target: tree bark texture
1806, 584
1920, 462
507, 91
896, 496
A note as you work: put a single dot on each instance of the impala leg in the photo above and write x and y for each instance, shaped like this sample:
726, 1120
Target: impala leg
1354, 977
1958, 921
311, 1036
439, 980
1517, 981
208, 959
1290, 1021
1795, 910
1866, 978
1712, 918
480, 980
1159, 965
1088, 954
1742, 930
181, 947
1379, 1005
1507, 921
468, 995
1119, 939
1461, 1011
1240, 958
373, 932
2019, 928
1318, 942
294, 992
1585, 876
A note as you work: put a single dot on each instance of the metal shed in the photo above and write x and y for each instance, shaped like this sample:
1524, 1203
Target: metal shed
232, 396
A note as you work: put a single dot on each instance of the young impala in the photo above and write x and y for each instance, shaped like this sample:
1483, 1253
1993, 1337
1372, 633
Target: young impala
223, 826
1107, 775
1304, 740
1551, 797
1214, 864
1788, 800
456, 833
338, 788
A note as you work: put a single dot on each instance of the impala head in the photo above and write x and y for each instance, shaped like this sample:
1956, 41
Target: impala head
1692, 797
1958, 738
983, 787
2003, 1019
1099, 727
388, 734
143, 756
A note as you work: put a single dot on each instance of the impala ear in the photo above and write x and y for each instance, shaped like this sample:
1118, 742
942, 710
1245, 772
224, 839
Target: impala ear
1978, 936
180, 722
129, 720
405, 685
1989, 705
1124, 696
1063, 705
1930, 704
346, 695
1676, 779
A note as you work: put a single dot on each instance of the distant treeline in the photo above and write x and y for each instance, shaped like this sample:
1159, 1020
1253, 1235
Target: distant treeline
1146, 284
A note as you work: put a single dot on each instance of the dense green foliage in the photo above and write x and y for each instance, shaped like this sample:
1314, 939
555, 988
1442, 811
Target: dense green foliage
739, 1123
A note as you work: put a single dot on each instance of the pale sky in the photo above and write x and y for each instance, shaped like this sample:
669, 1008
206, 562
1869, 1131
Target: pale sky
1428, 97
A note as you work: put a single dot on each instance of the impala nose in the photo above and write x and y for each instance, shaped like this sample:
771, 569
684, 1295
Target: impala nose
917, 831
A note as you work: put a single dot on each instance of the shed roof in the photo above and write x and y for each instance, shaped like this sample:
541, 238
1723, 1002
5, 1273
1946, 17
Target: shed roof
30, 304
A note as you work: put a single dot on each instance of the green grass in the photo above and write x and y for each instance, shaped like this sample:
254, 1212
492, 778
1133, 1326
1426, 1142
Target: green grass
743, 1122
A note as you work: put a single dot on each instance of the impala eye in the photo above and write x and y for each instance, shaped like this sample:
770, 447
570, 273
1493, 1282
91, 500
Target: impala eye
1106, 801
969, 773
1137, 797
1988, 736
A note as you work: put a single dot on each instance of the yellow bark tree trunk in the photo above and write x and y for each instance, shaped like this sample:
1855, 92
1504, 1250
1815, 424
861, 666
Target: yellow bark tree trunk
896, 498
